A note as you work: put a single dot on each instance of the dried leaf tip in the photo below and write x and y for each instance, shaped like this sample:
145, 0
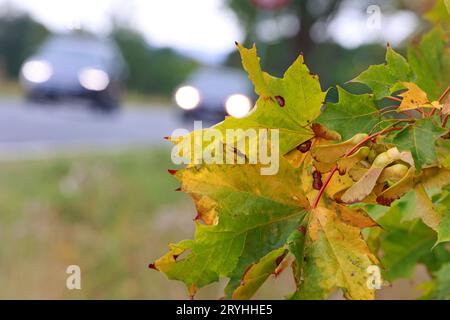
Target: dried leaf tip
152, 266
172, 171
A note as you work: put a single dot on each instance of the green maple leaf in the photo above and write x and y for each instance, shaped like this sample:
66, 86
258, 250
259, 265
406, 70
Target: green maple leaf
403, 244
245, 216
420, 139
351, 115
439, 287
443, 282
289, 104
384, 79
443, 207
257, 274
430, 61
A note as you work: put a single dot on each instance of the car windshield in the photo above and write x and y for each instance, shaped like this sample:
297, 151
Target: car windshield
77, 49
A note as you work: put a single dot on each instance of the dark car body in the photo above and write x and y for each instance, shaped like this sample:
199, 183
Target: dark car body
215, 85
71, 58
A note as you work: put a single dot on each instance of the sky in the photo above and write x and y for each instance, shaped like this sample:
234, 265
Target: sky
198, 26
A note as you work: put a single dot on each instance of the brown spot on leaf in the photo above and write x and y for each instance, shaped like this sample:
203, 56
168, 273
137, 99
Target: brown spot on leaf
304, 147
317, 182
280, 101
384, 201
302, 229
279, 259
172, 171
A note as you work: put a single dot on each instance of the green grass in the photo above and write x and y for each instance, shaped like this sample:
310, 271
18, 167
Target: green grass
105, 213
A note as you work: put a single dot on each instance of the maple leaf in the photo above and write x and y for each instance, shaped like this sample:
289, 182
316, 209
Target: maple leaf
442, 283
255, 215
403, 244
289, 104
443, 208
249, 226
429, 60
336, 257
420, 140
384, 79
257, 274
358, 110
414, 98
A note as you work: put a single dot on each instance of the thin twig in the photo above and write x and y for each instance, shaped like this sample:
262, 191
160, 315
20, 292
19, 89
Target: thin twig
394, 99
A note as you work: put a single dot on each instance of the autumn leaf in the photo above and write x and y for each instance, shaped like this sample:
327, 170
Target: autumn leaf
403, 244
255, 215
257, 274
289, 104
420, 140
316, 209
384, 79
413, 98
353, 114
336, 257
429, 59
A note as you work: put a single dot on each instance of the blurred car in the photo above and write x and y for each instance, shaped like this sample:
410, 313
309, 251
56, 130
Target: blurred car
77, 66
211, 93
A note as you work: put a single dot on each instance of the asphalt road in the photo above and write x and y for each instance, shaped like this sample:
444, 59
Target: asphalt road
27, 129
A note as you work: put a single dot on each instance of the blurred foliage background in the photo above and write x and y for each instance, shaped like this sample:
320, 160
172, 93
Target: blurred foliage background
159, 71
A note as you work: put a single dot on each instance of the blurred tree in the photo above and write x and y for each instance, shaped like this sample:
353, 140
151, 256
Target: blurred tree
281, 34
297, 17
151, 70
19, 37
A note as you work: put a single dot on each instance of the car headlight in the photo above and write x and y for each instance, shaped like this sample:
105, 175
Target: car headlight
238, 105
93, 79
187, 97
37, 71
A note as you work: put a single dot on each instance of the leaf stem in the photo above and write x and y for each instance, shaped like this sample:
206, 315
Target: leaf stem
349, 153
386, 108
394, 99
441, 98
